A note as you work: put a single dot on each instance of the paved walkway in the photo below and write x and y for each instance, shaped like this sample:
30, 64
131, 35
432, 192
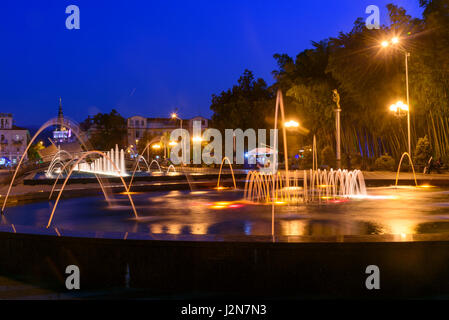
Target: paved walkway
387, 175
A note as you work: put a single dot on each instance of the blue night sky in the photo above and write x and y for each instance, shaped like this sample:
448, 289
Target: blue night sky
150, 57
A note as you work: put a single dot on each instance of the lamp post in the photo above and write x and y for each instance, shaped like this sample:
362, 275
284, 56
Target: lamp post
336, 98
175, 116
398, 108
395, 41
291, 125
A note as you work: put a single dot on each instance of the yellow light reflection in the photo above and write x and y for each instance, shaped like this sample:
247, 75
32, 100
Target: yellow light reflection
426, 186
199, 228
293, 228
156, 228
402, 227
218, 207
222, 203
174, 229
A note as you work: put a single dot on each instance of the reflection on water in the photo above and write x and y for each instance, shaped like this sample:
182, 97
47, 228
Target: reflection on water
401, 211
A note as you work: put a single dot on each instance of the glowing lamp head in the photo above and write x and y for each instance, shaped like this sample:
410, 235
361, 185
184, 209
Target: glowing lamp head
172, 143
384, 44
399, 106
403, 107
197, 139
156, 146
395, 40
174, 115
291, 124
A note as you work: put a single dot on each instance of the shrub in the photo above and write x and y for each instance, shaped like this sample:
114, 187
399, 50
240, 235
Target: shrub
385, 162
356, 161
423, 151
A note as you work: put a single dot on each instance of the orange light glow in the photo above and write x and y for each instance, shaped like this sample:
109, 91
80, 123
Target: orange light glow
218, 207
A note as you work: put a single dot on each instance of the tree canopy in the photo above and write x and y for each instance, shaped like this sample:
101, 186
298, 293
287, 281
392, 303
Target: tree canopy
105, 130
243, 106
369, 79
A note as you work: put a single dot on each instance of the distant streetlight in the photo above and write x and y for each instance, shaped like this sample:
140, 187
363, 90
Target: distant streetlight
156, 146
394, 41
175, 116
197, 139
172, 143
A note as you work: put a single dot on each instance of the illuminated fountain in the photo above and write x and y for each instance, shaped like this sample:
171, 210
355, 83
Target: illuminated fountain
57, 121
57, 163
303, 186
105, 167
279, 187
171, 167
113, 169
399, 168
219, 174
157, 163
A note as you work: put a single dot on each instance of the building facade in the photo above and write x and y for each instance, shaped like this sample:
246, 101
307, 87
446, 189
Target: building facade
138, 127
13, 140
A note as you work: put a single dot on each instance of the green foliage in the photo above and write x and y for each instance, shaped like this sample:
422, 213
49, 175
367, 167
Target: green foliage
356, 160
33, 151
107, 130
307, 161
423, 151
143, 141
369, 79
385, 162
328, 156
244, 106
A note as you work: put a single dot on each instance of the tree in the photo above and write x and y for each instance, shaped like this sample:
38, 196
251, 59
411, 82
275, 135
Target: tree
245, 105
308, 91
385, 162
33, 151
369, 79
106, 130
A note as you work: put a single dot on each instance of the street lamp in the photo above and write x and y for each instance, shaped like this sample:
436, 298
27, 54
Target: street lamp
174, 115
398, 107
291, 124
394, 41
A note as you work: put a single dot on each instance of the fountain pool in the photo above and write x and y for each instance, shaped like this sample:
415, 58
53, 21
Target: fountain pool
403, 212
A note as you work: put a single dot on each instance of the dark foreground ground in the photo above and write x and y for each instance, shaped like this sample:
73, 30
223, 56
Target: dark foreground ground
113, 268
